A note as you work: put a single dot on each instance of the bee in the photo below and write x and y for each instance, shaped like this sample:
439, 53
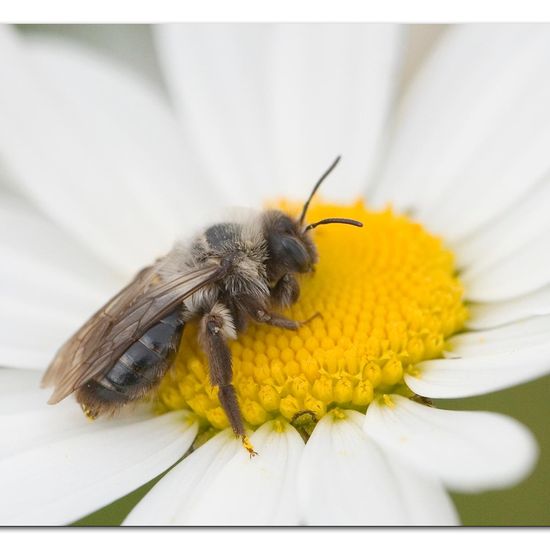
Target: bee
228, 275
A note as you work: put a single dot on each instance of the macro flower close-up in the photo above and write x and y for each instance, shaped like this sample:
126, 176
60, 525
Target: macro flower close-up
418, 272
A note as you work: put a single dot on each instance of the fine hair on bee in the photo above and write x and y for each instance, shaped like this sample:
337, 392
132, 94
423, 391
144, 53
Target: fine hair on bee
228, 275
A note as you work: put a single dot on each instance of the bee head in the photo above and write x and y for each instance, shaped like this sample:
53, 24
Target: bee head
290, 246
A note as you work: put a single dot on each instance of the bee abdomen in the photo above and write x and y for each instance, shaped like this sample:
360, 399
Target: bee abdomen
138, 370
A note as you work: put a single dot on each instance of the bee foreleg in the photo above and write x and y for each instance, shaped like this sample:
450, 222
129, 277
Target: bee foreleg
215, 328
277, 320
286, 291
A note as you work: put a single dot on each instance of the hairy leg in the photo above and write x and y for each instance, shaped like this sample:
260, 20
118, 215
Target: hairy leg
215, 327
286, 291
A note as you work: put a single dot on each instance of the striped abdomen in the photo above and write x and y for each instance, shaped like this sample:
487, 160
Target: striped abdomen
137, 371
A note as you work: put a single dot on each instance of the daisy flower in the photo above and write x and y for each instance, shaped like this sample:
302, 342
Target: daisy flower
444, 293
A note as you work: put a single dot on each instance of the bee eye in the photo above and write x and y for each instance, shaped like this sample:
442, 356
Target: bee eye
294, 254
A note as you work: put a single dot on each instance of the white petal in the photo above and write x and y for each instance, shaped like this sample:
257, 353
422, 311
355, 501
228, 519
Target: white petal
524, 271
216, 76
43, 265
19, 358
29, 337
96, 149
346, 479
275, 104
529, 333
448, 378
500, 313
26, 419
468, 451
49, 285
162, 504
60, 481
28, 422
14, 381
331, 91
506, 260
30, 333
424, 497
489, 360
474, 128
21, 394
507, 234
509, 166
129, 44
220, 485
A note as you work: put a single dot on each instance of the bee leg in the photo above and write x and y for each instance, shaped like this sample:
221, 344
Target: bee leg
277, 320
215, 327
286, 291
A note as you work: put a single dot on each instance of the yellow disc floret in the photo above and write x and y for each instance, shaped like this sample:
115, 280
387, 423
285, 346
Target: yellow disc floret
388, 297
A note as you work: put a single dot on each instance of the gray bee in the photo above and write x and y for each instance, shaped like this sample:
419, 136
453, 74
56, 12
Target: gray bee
228, 275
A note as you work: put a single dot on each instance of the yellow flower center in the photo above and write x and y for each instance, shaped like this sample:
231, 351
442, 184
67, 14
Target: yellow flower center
388, 297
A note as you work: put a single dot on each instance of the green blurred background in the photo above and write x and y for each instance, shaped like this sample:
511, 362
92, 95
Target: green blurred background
525, 504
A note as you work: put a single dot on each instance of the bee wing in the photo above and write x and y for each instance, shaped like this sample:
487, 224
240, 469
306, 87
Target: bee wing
123, 320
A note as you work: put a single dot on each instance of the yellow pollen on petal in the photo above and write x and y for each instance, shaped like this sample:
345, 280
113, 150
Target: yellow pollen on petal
387, 296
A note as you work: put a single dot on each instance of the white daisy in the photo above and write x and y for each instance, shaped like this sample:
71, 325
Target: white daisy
112, 173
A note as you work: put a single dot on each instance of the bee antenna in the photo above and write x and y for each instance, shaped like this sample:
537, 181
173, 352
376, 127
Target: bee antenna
326, 221
317, 185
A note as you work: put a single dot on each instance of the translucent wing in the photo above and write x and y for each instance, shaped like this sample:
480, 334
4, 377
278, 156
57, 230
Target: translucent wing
124, 319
